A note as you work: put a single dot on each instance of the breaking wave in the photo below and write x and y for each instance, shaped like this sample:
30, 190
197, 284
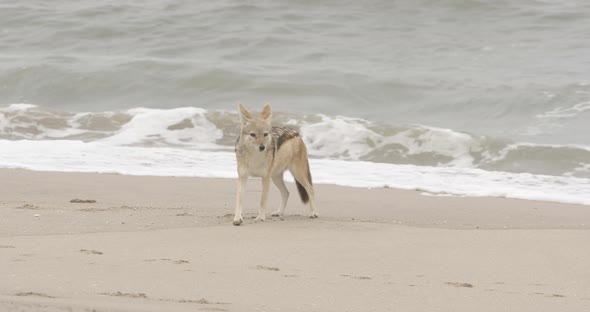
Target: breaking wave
327, 137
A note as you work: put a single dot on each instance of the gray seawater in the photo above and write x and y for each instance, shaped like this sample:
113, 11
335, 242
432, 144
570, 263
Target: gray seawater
503, 73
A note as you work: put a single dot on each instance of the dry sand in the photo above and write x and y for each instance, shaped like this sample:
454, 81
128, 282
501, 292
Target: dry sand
167, 244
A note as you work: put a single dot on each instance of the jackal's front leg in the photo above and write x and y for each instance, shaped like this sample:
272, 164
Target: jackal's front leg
240, 193
262, 210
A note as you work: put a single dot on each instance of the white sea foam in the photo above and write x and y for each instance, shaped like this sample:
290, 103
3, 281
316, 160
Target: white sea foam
185, 126
353, 139
445, 142
29, 122
178, 126
340, 137
77, 156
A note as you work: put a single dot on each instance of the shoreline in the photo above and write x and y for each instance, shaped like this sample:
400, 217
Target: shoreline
96, 157
168, 244
210, 201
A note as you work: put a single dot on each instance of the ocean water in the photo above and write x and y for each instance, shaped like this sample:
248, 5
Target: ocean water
479, 98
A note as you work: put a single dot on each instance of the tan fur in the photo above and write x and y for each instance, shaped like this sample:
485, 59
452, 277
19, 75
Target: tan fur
268, 157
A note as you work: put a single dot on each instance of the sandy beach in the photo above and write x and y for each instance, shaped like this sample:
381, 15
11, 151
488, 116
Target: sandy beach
167, 244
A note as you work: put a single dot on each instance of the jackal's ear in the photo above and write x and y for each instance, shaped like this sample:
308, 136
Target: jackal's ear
244, 114
266, 112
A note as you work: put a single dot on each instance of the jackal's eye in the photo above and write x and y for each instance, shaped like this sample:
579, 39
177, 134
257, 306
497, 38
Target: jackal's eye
252, 134
265, 134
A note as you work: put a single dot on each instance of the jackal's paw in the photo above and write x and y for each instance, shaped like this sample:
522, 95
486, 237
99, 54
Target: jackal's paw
261, 218
313, 215
238, 221
276, 214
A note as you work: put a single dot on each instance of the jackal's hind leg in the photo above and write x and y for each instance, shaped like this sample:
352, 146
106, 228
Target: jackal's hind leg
303, 178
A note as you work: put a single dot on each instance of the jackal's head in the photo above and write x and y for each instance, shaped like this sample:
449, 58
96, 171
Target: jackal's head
256, 130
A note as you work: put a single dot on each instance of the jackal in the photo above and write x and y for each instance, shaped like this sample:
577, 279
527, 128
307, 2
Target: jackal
267, 152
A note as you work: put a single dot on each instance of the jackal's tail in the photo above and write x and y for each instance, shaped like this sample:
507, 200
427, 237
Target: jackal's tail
302, 192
